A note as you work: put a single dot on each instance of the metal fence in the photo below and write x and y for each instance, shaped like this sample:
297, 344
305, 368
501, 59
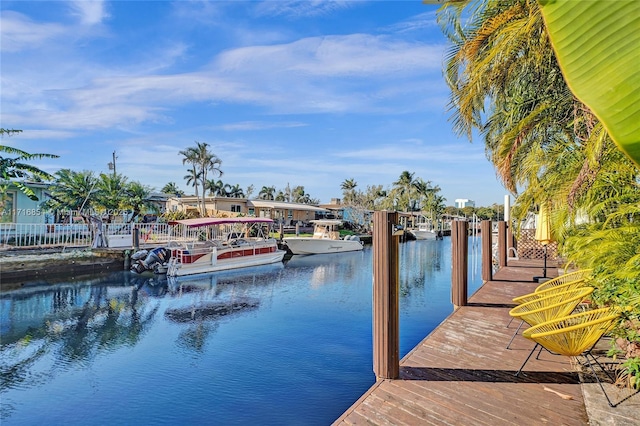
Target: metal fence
26, 235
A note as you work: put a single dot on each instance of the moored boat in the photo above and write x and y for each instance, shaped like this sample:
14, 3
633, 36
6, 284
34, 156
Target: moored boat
325, 239
423, 232
219, 244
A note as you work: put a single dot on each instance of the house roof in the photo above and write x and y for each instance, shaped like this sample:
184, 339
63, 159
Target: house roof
269, 204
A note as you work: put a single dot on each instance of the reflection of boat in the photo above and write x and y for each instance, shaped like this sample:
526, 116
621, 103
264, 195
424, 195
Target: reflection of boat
222, 244
423, 232
210, 310
326, 239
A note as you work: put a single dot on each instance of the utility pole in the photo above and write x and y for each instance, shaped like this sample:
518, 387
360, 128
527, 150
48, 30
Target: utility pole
112, 165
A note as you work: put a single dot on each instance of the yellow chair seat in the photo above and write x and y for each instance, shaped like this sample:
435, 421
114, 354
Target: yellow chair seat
546, 308
574, 334
550, 291
582, 274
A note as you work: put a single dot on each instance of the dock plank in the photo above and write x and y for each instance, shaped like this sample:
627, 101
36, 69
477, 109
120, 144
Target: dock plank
462, 373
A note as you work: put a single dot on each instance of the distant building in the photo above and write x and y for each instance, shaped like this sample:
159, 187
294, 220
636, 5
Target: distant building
461, 203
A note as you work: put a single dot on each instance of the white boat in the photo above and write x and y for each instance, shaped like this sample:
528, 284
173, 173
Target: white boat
423, 232
325, 239
222, 244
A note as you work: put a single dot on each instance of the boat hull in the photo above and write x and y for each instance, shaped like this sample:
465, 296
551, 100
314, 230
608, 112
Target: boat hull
423, 234
301, 245
205, 264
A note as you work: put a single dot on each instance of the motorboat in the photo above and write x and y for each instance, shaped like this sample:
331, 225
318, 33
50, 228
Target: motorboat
423, 232
325, 239
217, 244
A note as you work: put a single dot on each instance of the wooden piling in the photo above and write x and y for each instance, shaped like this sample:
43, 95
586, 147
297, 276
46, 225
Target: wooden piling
386, 326
487, 250
459, 261
502, 243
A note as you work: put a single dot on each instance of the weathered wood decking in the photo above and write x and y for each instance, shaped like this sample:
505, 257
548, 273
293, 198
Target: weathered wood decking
461, 374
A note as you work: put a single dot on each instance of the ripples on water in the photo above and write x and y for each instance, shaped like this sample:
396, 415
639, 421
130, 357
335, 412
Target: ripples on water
281, 344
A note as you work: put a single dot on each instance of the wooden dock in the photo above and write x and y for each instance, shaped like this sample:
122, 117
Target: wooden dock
462, 373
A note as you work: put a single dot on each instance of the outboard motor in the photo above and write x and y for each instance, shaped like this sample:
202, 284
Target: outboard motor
157, 256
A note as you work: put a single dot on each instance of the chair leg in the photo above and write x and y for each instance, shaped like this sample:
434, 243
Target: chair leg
514, 334
526, 360
540, 351
510, 321
586, 355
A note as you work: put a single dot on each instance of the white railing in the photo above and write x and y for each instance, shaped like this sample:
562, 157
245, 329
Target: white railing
80, 235
39, 235
118, 235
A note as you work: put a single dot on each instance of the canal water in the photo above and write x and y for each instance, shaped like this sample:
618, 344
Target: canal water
285, 344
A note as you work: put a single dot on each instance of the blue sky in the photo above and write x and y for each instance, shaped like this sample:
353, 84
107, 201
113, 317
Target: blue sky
306, 93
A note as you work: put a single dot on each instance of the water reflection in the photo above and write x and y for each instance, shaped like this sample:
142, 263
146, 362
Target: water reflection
329, 268
264, 345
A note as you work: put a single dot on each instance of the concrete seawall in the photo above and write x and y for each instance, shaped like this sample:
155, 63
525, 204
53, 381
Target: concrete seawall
20, 266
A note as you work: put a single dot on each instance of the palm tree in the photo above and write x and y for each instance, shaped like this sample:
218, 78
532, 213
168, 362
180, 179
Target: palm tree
403, 190
172, 189
546, 145
111, 193
14, 167
348, 187
207, 162
193, 177
506, 82
138, 199
236, 191
217, 188
267, 193
73, 192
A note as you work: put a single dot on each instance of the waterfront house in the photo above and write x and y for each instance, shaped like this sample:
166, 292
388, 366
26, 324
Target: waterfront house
279, 211
17, 207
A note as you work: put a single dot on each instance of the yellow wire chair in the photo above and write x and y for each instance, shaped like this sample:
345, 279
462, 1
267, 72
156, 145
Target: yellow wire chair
581, 274
549, 307
574, 335
564, 282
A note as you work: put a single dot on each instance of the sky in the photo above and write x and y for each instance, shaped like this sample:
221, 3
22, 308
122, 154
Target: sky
304, 93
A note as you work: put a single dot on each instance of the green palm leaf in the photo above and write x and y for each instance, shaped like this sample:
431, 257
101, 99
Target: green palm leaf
597, 44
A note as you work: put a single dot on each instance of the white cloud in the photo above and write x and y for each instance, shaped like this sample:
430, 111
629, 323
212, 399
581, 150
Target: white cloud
302, 8
89, 12
18, 32
259, 125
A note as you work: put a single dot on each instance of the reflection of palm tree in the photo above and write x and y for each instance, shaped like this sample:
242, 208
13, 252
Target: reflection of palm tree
75, 335
194, 337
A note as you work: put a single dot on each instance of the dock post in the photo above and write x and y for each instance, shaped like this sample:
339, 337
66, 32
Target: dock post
386, 318
459, 261
136, 237
502, 243
281, 231
487, 250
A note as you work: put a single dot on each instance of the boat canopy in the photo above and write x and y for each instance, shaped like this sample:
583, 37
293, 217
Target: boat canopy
212, 221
